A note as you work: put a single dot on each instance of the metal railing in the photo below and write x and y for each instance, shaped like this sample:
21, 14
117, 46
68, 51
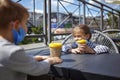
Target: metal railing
85, 15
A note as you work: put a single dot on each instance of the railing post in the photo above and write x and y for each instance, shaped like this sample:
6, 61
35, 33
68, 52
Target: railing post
34, 13
49, 22
119, 21
45, 21
101, 22
84, 13
112, 20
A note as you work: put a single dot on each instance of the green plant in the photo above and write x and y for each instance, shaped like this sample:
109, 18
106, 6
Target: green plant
115, 17
35, 30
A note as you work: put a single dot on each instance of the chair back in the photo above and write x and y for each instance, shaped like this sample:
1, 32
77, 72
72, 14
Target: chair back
114, 34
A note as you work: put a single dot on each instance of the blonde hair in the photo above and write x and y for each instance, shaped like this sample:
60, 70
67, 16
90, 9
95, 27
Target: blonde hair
11, 11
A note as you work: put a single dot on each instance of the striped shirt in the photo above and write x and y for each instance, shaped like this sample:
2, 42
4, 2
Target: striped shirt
96, 47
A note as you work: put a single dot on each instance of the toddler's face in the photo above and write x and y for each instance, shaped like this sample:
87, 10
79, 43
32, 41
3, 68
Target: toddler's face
78, 35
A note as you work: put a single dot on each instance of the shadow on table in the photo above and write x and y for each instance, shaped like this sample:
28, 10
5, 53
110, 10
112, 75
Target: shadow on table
68, 60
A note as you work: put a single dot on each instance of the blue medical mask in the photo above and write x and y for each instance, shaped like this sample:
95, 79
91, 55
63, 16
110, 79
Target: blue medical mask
19, 35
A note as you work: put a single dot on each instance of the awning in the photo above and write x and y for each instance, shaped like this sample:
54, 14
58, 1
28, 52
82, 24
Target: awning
113, 1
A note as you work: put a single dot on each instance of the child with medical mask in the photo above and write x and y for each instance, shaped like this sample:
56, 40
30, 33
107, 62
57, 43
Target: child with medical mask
13, 60
81, 32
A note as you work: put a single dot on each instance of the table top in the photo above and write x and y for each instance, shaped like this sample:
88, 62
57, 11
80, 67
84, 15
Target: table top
102, 64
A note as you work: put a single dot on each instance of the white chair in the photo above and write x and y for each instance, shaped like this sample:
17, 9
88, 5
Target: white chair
114, 34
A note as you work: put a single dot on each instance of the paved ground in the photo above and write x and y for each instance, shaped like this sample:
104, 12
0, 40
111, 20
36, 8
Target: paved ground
33, 45
36, 45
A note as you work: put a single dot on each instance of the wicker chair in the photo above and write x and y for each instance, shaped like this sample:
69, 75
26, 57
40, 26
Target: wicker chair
98, 38
114, 34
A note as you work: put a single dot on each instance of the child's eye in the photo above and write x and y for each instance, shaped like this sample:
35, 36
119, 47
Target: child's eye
79, 36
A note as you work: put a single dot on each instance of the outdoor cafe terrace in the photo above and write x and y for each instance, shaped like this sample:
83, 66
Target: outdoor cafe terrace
55, 24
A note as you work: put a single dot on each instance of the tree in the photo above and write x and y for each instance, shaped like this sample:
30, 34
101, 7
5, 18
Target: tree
115, 17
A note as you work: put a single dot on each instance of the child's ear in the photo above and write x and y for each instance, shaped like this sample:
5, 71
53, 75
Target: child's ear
88, 36
16, 24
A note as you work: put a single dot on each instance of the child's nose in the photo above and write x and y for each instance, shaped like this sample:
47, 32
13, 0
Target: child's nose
78, 37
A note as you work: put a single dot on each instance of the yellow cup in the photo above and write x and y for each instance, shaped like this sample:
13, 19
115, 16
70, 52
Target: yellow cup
55, 49
82, 41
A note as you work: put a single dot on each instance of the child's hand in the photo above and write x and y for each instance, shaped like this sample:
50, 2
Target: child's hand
82, 48
86, 49
54, 60
89, 50
79, 50
75, 51
39, 58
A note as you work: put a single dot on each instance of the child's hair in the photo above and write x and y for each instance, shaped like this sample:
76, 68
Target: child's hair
11, 11
84, 28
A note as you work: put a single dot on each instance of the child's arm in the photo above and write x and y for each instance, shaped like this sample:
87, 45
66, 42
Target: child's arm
70, 48
51, 60
75, 51
66, 48
40, 58
84, 48
101, 49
